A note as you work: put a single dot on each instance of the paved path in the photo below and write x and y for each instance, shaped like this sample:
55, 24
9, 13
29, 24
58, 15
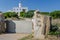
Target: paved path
12, 36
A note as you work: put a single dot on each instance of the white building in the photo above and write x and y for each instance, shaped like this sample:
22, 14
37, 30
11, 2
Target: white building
20, 9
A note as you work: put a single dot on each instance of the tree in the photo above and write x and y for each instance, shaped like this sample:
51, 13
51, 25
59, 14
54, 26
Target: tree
22, 14
44, 13
10, 14
55, 14
53, 28
14, 14
30, 13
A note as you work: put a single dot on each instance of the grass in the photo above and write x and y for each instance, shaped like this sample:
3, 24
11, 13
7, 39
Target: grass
29, 37
54, 33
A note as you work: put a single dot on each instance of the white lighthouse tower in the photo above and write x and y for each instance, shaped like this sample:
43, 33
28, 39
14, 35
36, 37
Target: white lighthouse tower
20, 5
19, 8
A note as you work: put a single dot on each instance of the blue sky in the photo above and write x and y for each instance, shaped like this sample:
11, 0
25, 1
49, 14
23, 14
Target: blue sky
42, 5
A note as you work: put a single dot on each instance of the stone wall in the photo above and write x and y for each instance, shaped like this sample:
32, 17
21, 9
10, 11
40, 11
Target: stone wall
2, 23
21, 26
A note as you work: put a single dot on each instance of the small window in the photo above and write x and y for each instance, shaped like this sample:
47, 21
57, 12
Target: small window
24, 10
17, 9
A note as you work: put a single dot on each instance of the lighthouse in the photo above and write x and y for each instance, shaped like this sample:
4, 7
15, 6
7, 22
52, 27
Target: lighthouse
20, 9
20, 5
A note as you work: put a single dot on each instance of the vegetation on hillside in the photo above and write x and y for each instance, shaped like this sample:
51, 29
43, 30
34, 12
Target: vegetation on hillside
10, 14
55, 14
45, 13
30, 13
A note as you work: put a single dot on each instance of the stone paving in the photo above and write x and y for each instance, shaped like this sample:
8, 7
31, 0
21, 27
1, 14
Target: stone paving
12, 36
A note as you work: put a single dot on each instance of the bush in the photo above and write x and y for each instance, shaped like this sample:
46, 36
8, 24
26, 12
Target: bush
10, 14
54, 30
55, 14
54, 33
22, 14
28, 14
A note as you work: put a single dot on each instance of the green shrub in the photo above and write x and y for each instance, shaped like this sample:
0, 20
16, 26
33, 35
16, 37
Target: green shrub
10, 14
54, 30
54, 33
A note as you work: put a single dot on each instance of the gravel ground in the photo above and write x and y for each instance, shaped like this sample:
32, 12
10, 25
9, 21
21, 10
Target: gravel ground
12, 36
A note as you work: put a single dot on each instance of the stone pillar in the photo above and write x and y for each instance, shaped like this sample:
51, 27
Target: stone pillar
38, 26
48, 24
2, 23
41, 25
